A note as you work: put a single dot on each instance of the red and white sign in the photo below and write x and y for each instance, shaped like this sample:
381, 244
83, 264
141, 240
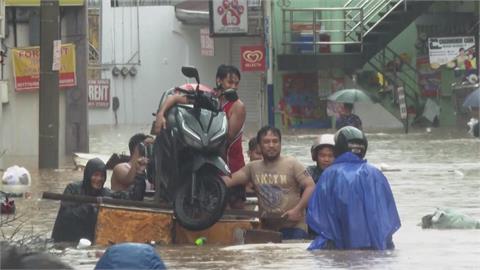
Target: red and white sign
207, 43
229, 17
99, 93
252, 58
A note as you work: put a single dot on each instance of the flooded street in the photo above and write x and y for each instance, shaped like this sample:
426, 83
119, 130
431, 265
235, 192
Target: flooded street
438, 169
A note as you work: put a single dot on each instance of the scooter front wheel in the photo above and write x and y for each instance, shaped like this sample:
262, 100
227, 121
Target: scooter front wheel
205, 207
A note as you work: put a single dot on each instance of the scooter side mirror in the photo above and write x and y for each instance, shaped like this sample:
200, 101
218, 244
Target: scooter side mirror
191, 72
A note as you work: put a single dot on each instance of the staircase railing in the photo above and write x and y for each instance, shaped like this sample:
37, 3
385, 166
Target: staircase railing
396, 3
406, 76
405, 70
374, 12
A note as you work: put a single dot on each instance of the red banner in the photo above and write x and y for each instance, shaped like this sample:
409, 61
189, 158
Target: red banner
252, 58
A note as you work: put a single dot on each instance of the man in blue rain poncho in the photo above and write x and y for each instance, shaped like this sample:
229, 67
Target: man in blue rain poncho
352, 206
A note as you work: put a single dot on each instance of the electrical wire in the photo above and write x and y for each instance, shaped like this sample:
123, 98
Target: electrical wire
131, 31
114, 38
123, 35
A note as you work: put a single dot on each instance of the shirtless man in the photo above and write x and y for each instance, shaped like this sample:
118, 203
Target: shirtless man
124, 173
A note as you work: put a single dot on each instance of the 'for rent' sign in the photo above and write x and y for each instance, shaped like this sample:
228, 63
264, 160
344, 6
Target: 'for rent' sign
99, 93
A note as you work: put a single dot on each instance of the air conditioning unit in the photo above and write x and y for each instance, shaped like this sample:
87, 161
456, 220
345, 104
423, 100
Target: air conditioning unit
2, 18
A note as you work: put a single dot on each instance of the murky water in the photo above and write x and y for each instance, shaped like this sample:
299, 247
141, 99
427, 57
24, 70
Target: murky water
438, 169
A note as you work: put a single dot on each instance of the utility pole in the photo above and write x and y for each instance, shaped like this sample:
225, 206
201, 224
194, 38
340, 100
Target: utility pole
49, 95
269, 51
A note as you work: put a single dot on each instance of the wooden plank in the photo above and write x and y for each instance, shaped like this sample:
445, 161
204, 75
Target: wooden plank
224, 232
145, 204
106, 200
122, 224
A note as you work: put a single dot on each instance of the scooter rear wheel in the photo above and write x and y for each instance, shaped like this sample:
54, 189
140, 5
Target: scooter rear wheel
208, 203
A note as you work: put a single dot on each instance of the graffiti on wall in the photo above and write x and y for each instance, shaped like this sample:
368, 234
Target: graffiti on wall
300, 105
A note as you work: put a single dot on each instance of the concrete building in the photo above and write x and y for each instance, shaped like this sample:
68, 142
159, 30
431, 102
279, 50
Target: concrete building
19, 110
157, 41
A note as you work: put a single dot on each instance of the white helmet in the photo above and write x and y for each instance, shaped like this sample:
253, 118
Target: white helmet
322, 140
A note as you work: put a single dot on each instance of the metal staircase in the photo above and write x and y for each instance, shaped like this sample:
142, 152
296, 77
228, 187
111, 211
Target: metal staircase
384, 21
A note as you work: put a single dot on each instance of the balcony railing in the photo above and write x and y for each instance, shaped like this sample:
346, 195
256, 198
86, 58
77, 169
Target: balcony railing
305, 31
315, 30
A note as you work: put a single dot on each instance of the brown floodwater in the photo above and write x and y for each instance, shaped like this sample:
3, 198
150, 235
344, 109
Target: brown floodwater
437, 169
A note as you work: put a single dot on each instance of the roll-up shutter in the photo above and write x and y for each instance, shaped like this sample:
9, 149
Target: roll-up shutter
250, 85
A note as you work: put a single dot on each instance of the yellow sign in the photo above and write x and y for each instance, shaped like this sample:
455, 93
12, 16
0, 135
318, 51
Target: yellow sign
33, 3
26, 67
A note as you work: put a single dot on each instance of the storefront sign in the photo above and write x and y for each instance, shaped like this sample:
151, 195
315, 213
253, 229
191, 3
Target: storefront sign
228, 17
26, 67
252, 58
206, 42
99, 93
455, 52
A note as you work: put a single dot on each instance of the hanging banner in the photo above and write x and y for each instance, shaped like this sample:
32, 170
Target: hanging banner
26, 67
99, 93
455, 52
57, 54
252, 58
228, 17
206, 42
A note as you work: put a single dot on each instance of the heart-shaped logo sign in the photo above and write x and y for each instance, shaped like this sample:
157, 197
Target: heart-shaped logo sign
254, 56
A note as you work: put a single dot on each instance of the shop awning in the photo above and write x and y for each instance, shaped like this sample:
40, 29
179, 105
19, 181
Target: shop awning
35, 3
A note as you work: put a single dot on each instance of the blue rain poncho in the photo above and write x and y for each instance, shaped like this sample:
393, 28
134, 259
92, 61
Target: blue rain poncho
352, 207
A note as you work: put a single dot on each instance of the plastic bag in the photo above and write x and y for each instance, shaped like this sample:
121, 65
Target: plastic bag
16, 180
449, 219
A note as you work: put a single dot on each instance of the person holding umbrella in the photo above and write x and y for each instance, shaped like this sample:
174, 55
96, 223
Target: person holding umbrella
347, 118
348, 97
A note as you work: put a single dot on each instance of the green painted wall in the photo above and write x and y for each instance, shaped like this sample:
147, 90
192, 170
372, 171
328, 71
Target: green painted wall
403, 43
277, 35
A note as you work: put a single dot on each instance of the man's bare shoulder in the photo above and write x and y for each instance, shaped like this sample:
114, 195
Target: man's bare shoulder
122, 166
239, 104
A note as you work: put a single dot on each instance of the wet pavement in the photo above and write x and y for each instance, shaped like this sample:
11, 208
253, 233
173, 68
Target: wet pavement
437, 169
